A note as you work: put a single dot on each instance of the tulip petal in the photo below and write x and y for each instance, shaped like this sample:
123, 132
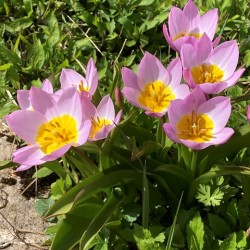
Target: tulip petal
177, 22
132, 95
23, 98
167, 37
70, 103
41, 101
129, 78
84, 132
192, 13
214, 108
69, 78
25, 124
151, 69
208, 23
106, 109
170, 132
47, 86
91, 76
175, 70
225, 56
29, 155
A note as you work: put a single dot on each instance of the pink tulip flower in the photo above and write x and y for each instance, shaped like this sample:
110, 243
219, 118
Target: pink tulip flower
212, 69
188, 26
86, 86
23, 96
51, 129
155, 86
198, 123
248, 113
103, 117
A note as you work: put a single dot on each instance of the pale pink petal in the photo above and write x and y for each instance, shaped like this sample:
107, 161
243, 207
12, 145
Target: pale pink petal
84, 132
216, 41
170, 132
118, 117
70, 103
248, 113
175, 71
235, 77
91, 76
29, 155
177, 22
179, 108
130, 78
189, 56
155, 114
69, 78
88, 109
106, 109
57, 154
132, 95
218, 109
151, 69
185, 40
219, 138
181, 91
47, 86
192, 13
103, 133
204, 48
23, 98
222, 136
226, 56
208, 23
167, 37
22, 168
213, 88
189, 79
41, 101
25, 124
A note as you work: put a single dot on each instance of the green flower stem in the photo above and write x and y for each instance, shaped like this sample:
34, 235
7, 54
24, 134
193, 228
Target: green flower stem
192, 170
145, 199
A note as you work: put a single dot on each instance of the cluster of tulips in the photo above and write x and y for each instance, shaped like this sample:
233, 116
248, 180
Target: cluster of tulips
51, 122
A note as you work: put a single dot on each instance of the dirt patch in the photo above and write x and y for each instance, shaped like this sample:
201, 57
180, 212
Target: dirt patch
21, 227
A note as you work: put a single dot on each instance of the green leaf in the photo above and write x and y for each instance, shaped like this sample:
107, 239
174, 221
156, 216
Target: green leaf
241, 139
74, 225
7, 164
42, 172
99, 220
90, 186
57, 189
56, 167
241, 239
218, 225
172, 230
43, 205
18, 24
229, 243
208, 197
195, 233
144, 239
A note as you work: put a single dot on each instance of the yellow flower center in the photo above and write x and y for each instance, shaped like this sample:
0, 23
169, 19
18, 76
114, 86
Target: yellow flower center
156, 96
97, 125
207, 73
57, 133
82, 88
195, 127
182, 34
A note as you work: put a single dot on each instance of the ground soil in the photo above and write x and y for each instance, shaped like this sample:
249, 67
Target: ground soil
21, 227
